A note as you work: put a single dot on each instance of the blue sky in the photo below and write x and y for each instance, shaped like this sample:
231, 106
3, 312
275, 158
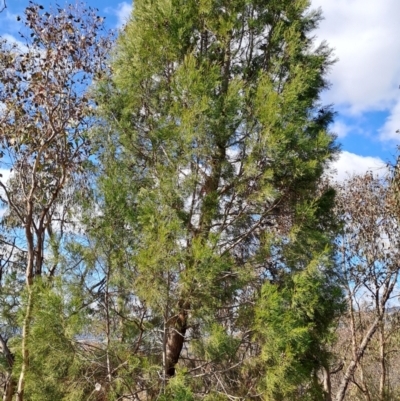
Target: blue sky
365, 80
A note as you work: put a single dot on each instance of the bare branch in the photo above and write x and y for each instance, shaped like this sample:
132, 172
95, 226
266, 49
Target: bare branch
4, 6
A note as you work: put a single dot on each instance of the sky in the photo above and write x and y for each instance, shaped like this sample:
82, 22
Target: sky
365, 80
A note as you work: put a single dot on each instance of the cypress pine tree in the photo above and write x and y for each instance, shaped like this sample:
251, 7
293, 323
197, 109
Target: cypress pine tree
213, 149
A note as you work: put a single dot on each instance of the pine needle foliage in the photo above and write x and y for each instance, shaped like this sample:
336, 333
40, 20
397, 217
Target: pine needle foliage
294, 324
211, 155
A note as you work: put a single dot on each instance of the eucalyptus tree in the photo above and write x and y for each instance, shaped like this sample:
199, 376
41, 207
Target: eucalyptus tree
45, 117
368, 252
213, 147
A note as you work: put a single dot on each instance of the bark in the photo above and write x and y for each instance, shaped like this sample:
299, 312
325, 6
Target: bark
363, 387
387, 290
9, 387
353, 364
382, 357
326, 383
108, 322
29, 283
24, 348
175, 340
9, 383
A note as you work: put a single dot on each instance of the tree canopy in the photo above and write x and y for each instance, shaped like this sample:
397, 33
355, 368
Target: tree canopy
211, 161
168, 232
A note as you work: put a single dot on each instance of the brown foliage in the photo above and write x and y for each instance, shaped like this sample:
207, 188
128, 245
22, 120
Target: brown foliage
45, 119
368, 254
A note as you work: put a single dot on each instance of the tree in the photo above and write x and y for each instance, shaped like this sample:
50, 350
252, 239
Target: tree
44, 122
295, 323
368, 252
213, 148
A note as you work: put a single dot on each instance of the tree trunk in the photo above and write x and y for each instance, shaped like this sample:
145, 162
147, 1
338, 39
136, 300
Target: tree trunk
175, 340
24, 346
9, 384
382, 357
9, 387
326, 383
354, 363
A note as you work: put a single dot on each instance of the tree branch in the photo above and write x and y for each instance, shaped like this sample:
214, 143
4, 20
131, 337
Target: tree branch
4, 6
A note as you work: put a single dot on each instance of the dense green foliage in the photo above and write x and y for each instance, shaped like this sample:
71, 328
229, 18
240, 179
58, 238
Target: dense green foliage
200, 265
211, 159
294, 325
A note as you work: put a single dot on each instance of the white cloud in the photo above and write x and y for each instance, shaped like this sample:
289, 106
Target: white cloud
8, 20
340, 129
13, 40
4, 175
123, 12
364, 34
349, 164
10, 16
392, 124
